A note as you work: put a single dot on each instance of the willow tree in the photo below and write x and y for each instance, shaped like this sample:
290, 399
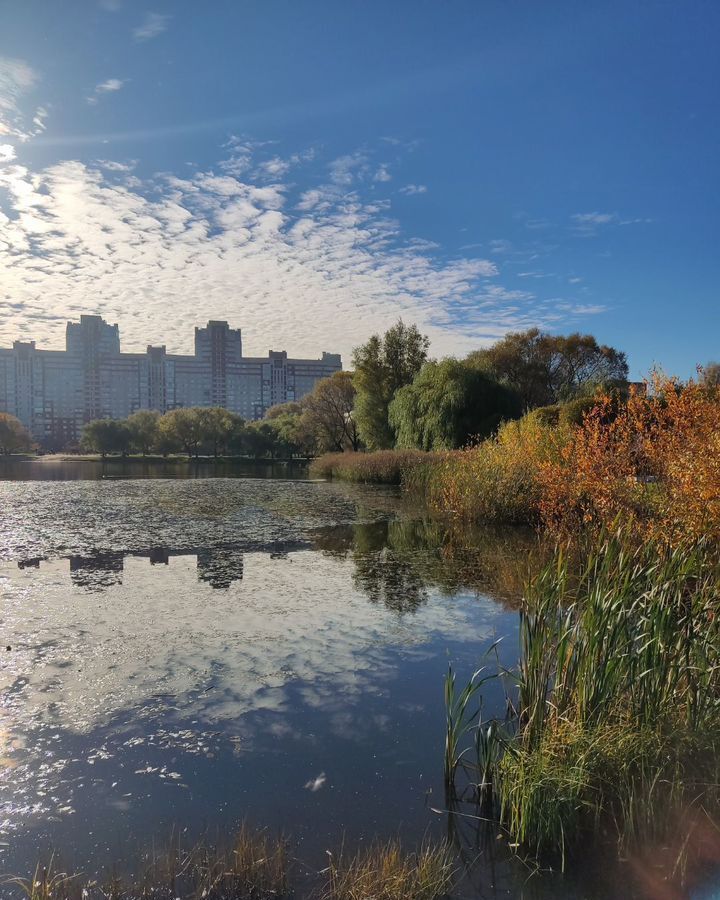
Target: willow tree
450, 404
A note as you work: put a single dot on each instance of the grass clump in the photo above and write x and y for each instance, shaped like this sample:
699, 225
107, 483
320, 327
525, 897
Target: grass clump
387, 872
381, 467
613, 730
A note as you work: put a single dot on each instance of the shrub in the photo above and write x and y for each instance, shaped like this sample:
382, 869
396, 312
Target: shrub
498, 480
654, 459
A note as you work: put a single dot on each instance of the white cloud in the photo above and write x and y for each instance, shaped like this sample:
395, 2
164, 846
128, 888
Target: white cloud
17, 78
106, 87
7, 153
588, 224
153, 25
411, 189
306, 271
595, 218
382, 174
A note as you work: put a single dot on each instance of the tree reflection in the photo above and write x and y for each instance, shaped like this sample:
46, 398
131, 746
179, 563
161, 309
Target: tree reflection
398, 560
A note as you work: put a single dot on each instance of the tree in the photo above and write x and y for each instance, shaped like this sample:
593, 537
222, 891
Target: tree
261, 439
546, 369
144, 428
449, 404
291, 408
329, 413
217, 426
14, 435
182, 428
710, 375
382, 366
107, 436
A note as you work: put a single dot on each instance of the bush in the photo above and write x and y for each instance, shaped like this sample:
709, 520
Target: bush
498, 480
654, 459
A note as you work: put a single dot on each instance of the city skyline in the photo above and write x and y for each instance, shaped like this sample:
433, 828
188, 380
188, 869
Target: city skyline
54, 393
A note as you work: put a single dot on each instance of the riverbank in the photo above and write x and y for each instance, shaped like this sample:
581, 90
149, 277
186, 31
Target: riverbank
650, 460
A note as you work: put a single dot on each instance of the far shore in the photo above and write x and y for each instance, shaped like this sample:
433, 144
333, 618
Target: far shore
150, 458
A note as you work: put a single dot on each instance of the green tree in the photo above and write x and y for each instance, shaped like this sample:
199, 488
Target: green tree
217, 428
545, 369
329, 414
182, 428
382, 366
262, 439
449, 404
144, 428
107, 436
14, 435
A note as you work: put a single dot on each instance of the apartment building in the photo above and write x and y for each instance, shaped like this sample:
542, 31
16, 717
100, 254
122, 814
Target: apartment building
54, 393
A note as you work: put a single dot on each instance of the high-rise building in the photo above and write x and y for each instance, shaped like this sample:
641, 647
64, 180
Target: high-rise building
54, 393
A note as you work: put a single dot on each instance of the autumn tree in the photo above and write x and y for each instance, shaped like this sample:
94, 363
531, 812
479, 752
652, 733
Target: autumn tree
546, 369
382, 366
449, 404
14, 436
328, 413
710, 375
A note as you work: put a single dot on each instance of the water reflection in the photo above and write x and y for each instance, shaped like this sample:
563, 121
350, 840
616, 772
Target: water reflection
217, 566
397, 559
58, 468
200, 651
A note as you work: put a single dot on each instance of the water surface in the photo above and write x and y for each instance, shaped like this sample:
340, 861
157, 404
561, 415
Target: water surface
191, 653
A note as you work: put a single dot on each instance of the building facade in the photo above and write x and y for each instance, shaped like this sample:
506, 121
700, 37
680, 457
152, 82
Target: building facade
54, 393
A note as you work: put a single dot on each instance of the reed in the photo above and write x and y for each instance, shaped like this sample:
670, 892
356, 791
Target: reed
613, 732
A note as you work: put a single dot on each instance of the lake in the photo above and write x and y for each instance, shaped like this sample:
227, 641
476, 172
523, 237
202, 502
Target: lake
191, 653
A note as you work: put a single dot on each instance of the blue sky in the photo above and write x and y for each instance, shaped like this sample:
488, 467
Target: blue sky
311, 171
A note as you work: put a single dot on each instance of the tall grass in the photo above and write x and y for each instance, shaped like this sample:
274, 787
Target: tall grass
614, 722
496, 481
254, 866
386, 872
382, 467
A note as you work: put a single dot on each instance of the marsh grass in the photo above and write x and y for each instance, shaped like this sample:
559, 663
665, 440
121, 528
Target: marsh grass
613, 732
387, 872
254, 866
381, 467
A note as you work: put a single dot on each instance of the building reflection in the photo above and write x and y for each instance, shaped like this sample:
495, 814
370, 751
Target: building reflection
160, 556
219, 567
97, 572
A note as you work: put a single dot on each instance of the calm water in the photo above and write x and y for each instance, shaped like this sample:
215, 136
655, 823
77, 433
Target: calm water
193, 653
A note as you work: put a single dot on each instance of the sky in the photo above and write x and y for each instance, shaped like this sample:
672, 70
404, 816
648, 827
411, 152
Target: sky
313, 171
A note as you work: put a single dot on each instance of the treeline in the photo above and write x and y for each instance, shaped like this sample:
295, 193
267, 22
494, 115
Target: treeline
321, 422
406, 401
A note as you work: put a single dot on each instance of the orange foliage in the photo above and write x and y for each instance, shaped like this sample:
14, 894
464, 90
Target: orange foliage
655, 461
